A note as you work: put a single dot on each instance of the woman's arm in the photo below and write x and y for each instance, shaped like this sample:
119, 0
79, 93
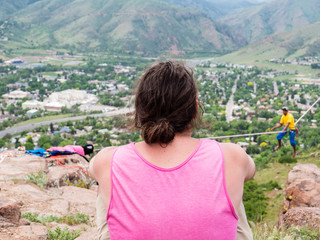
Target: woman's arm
239, 167
100, 170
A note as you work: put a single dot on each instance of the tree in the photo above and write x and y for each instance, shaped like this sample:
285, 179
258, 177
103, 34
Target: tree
11, 108
255, 201
51, 128
2, 143
29, 146
47, 145
44, 140
17, 143
81, 141
57, 139
253, 149
66, 142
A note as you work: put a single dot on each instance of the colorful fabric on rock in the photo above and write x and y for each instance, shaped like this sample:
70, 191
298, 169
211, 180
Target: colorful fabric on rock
38, 152
69, 148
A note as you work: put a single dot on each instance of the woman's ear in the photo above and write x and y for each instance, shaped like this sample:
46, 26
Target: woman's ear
197, 106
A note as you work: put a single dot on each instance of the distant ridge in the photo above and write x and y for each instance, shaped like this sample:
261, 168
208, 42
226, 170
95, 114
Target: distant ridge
162, 27
304, 41
277, 16
139, 27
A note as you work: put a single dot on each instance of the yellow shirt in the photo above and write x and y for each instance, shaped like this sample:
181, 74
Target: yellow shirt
288, 119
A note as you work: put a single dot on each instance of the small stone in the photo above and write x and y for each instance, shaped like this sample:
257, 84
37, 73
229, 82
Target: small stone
10, 210
24, 221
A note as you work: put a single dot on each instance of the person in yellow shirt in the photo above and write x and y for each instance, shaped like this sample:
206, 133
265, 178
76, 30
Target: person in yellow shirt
288, 121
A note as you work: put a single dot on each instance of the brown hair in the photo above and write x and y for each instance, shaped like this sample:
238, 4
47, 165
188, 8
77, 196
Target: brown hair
166, 102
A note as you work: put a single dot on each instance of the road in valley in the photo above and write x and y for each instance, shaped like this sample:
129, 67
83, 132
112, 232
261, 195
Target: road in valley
230, 104
31, 126
275, 87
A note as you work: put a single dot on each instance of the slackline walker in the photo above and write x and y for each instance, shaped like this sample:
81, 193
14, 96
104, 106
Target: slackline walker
264, 133
252, 134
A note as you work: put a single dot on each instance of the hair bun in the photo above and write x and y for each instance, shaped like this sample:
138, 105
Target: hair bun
160, 131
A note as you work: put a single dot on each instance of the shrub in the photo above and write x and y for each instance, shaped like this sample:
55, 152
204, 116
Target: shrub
78, 183
254, 200
74, 219
39, 179
269, 186
70, 219
32, 217
287, 159
65, 234
269, 232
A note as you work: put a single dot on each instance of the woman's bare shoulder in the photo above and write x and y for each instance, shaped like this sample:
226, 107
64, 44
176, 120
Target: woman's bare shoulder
101, 162
237, 156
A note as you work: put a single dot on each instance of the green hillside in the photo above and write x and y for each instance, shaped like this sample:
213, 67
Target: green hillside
304, 41
275, 17
144, 27
10, 7
217, 8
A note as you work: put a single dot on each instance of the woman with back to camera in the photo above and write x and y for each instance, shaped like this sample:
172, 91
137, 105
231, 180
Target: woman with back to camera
171, 186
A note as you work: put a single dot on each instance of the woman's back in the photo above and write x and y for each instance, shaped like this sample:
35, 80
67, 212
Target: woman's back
188, 201
171, 186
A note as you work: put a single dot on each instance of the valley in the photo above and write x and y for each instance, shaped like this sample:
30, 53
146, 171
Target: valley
68, 72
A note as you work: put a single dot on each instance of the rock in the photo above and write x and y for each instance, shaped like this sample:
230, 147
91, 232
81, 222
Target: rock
90, 234
302, 201
70, 174
16, 164
34, 231
24, 221
5, 223
303, 186
314, 154
301, 216
57, 199
80, 199
10, 211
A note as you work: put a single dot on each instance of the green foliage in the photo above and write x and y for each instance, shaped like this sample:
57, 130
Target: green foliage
57, 139
253, 149
32, 217
254, 200
78, 183
65, 142
111, 100
65, 234
74, 219
269, 232
44, 141
81, 141
70, 219
29, 144
46, 146
287, 159
2, 143
305, 233
269, 186
39, 179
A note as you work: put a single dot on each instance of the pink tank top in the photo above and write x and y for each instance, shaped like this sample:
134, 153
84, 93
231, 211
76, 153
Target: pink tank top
189, 201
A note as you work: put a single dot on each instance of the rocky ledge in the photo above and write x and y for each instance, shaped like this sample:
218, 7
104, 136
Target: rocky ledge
301, 206
55, 198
